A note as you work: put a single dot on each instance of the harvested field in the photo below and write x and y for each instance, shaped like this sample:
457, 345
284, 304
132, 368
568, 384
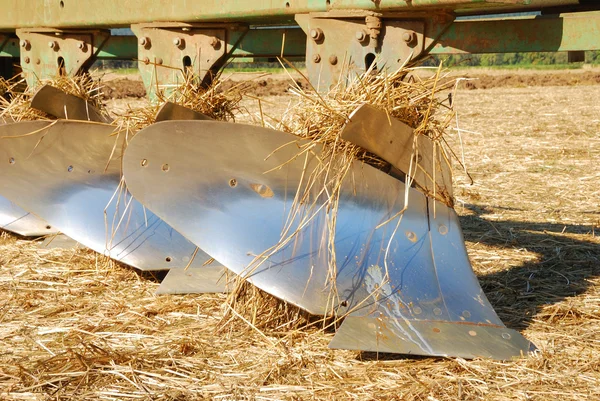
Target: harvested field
73, 326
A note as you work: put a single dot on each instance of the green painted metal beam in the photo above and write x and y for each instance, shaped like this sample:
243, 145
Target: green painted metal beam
267, 42
115, 13
567, 32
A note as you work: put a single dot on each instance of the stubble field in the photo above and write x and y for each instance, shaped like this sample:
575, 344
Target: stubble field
73, 326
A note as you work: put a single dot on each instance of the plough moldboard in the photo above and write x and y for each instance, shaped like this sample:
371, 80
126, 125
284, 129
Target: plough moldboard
384, 254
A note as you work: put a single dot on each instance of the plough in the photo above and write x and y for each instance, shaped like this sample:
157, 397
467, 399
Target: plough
201, 197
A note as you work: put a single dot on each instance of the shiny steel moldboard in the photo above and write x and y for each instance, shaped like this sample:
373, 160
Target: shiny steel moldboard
232, 196
68, 173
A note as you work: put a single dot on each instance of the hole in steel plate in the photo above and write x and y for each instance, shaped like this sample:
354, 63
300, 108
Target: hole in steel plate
168, 259
233, 183
62, 4
62, 70
11, 160
287, 5
165, 167
70, 169
144, 162
436, 330
369, 61
48, 227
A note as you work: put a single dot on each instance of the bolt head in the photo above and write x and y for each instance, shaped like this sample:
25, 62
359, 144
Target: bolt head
146, 60
24, 43
333, 59
408, 37
52, 44
316, 34
214, 42
159, 61
360, 36
177, 42
27, 60
81, 45
144, 41
317, 58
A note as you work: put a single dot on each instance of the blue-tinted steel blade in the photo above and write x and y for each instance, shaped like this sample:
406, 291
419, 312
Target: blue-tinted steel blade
69, 173
225, 189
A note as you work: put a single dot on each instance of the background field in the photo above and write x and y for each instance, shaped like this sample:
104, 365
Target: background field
73, 326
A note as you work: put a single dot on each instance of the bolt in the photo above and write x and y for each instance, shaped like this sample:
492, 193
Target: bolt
81, 45
178, 42
146, 60
316, 34
333, 59
408, 37
214, 42
37, 61
25, 44
144, 41
53, 45
159, 61
360, 35
317, 58
27, 60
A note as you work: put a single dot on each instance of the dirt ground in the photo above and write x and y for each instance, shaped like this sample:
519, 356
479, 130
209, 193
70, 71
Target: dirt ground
272, 84
74, 327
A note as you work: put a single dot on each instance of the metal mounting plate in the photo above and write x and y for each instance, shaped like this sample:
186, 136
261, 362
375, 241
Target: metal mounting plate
334, 46
47, 53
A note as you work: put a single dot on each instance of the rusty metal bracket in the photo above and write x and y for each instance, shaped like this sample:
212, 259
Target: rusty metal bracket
338, 43
47, 53
168, 51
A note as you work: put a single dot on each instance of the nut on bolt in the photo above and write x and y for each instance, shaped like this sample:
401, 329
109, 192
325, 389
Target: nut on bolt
361, 35
317, 58
178, 42
214, 42
25, 44
316, 34
408, 37
144, 41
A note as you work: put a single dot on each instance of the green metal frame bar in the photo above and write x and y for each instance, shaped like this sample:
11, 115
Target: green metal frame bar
115, 13
540, 34
568, 32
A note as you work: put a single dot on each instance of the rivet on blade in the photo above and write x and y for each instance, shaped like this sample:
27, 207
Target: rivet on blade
506, 336
443, 229
262, 190
472, 333
412, 237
